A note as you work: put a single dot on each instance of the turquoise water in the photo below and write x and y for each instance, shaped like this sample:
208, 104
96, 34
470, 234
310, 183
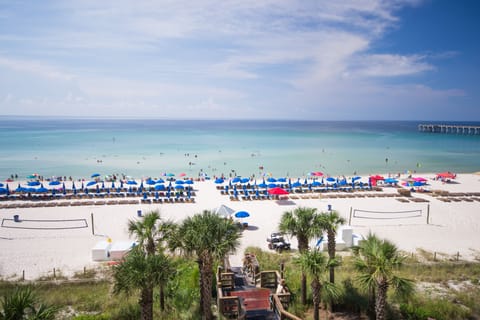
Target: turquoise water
140, 148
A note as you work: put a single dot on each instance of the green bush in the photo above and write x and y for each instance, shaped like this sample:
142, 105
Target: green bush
439, 309
127, 312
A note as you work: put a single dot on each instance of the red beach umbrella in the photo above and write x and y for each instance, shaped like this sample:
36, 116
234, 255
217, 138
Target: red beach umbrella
277, 191
317, 174
446, 175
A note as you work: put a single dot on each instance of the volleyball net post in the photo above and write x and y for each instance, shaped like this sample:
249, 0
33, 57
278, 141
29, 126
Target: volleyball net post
350, 218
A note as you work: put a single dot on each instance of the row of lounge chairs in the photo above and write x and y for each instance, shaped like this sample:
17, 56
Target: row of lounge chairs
97, 202
91, 196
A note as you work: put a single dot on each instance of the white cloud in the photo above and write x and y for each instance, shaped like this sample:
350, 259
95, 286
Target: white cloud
169, 57
388, 65
35, 67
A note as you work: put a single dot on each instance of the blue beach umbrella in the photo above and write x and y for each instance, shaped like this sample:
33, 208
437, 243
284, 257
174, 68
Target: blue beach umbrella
179, 182
42, 190
54, 183
271, 179
390, 180
189, 182
272, 185
331, 179
150, 182
91, 183
132, 182
219, 181
160, 181
282, 180
95, 175
316, 184
1, 185
262, 185
236, 180
33, 183
160, 187
3, 190
296, 184
242, 214
179, 187
245, 180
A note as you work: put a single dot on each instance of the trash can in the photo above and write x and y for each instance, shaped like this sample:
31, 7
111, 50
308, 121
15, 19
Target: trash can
16, 218
139, 213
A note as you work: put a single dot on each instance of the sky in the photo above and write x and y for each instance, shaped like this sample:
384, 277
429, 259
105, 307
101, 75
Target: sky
245, 59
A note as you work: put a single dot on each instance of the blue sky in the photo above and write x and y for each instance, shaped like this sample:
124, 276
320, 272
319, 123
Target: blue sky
273, 59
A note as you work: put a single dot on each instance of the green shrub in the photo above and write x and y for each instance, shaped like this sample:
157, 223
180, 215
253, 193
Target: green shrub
127, 312
439, 309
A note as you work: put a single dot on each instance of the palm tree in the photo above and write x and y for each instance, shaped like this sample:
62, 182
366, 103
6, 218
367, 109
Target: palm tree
23, 304
304, 224
140, 271
209, 237
316, 264
377, 261
151, 232
330, 222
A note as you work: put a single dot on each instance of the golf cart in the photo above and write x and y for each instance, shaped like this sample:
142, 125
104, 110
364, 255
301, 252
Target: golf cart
277, 242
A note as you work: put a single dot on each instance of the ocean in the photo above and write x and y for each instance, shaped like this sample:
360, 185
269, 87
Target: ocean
151, 148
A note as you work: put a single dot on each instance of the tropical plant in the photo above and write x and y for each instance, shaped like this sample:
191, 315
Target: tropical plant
142, 272
316, 264
209, 238
151, 233
24, 304
330, 221
304, 224
378, 261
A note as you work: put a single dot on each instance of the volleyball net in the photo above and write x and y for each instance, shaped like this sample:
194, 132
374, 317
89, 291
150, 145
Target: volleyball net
419, 215
39, 224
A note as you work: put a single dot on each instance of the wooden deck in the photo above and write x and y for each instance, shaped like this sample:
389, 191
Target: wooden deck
254, 298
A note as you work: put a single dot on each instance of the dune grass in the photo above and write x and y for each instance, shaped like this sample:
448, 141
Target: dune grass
445, 290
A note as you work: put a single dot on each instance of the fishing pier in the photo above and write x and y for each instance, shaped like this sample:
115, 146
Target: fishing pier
450, 128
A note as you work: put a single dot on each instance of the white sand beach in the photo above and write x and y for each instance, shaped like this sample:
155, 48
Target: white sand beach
453, 226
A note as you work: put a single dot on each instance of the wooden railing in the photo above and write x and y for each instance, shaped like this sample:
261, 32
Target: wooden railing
278, 307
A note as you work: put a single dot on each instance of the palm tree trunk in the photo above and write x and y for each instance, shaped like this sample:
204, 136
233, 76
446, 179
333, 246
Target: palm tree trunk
331, 252
302, 247
316, 292
381, 300
331, 246
371, 304
162, 298
206, 290
146, 301
200, 267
